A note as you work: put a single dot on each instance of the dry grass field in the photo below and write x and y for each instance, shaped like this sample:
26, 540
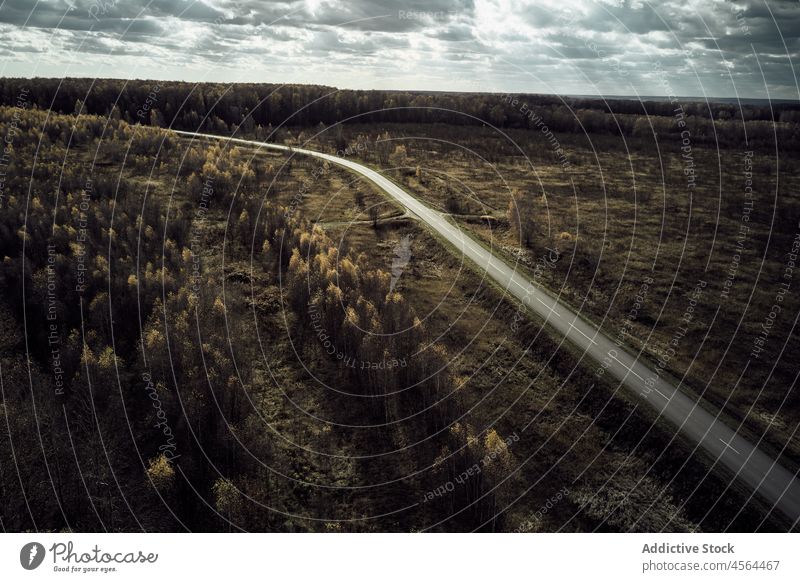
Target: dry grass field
622, 213
576, 432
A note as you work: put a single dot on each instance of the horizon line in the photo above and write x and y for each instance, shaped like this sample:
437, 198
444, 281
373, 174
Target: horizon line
595, 96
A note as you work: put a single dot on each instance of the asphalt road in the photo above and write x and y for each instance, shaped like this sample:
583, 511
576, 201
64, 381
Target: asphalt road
776, 485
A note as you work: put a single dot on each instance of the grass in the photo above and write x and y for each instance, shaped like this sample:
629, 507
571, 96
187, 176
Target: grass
577, 436
622, 470
631, 216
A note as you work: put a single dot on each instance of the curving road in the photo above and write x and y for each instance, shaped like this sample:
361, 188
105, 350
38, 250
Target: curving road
776, 485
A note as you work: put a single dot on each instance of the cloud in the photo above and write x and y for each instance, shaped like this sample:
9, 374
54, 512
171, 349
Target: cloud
567, 46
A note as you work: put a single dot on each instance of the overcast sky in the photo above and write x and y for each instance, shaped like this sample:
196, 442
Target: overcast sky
612, 47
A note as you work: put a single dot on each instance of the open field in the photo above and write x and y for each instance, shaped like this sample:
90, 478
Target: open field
511, 378
616, 221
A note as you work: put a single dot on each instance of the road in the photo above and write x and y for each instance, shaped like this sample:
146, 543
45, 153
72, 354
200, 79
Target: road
761, 473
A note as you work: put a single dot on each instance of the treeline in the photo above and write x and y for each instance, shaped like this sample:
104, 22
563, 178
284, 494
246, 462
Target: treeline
131, 383
79, 450
260, 108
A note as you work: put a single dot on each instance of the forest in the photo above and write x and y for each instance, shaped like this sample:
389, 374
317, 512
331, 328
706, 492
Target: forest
132, 401
220, 108
198, 336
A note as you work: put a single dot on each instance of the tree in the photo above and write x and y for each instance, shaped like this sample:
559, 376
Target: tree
399, 157
156, 118
521, 215
161, 473
497, 115
358, 198
383, 147
452, 203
